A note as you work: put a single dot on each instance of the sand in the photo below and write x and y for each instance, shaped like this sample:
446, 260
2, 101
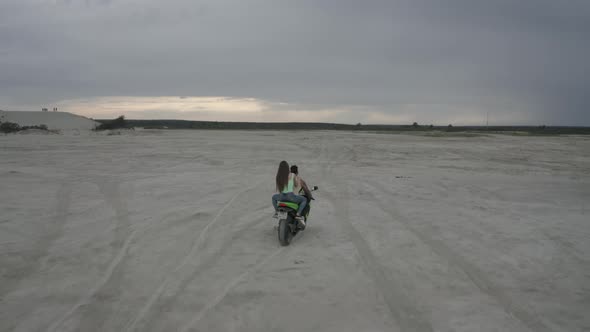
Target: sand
172, 231
53, 120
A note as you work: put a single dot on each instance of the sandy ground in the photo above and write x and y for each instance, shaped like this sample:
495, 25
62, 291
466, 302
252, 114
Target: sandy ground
53, 120
172, 231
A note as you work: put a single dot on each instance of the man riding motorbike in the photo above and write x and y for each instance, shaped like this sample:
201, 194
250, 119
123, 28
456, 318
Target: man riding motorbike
302, 186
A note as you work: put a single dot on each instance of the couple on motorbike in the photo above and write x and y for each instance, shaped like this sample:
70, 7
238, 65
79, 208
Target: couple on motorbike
289, 184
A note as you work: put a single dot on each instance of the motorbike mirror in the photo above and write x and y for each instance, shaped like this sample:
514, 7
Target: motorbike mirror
315, 188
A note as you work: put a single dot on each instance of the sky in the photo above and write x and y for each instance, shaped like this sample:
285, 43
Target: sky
374, 61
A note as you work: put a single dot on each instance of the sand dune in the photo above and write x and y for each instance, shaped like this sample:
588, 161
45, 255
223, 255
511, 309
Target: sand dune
53, 120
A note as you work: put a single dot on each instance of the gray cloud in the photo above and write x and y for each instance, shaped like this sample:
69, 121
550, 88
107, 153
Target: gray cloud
522, 60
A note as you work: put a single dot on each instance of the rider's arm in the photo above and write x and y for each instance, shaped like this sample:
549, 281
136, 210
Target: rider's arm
305, 188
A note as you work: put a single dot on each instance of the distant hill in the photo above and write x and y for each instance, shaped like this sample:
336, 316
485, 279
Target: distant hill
53, 120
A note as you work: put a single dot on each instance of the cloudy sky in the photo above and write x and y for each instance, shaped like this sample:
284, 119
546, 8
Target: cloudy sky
383, 61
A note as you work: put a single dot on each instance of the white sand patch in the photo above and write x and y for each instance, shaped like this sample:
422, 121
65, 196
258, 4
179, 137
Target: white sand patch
53, 120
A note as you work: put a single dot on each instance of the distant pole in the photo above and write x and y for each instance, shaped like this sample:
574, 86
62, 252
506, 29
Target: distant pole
487, 118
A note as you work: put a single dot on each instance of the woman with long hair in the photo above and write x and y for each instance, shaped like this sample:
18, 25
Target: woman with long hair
285, 182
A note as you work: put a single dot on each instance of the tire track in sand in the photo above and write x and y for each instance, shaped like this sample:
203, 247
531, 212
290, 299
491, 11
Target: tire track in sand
194, 247
400, 305
402, 308
111, 192
96, 311
51, 232
113, 273
474, 274
123, 240
205, 265
231, 285
228, 288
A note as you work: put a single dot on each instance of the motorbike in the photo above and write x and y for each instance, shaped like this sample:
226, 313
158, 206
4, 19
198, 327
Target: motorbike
288, 225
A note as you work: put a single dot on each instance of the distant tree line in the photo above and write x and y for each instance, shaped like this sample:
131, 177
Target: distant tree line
118, 123
121, 122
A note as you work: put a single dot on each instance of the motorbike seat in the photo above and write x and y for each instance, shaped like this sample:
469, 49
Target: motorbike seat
291, 205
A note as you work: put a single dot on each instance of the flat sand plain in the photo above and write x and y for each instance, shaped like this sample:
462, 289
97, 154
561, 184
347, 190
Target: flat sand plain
172, 231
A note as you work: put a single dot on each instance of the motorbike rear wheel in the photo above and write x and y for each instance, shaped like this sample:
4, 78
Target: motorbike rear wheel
285, 234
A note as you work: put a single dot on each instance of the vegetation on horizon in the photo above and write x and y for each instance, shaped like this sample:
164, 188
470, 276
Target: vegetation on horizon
415, 127
11, 127
118, 123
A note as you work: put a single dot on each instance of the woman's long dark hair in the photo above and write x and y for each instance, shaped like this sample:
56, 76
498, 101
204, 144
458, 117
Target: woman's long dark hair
282, 176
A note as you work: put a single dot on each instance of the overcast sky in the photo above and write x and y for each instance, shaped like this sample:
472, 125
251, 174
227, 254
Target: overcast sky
430, 61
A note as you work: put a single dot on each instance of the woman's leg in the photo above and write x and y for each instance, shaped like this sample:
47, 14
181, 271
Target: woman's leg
275, 200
